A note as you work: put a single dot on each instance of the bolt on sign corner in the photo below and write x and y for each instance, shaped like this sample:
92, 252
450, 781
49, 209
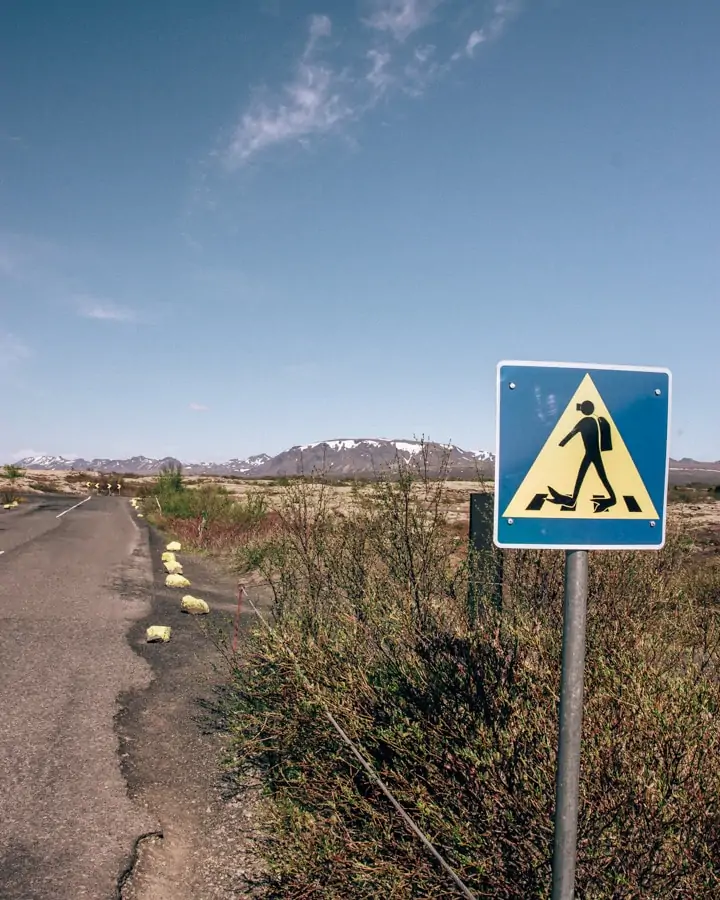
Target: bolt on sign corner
582, 456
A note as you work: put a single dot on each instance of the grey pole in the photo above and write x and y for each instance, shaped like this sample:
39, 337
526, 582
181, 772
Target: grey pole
571, 709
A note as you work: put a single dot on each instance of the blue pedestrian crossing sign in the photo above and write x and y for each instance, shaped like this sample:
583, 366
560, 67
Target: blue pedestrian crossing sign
582, 456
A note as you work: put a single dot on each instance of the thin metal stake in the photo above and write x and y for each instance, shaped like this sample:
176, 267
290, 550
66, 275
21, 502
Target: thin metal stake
567, 784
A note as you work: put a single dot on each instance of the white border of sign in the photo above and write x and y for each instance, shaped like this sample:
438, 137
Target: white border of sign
586, 366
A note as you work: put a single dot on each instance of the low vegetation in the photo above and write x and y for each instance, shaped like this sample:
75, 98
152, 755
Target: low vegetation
44, 487
78, 477
693, 492
456, 704
11, 475
207, 517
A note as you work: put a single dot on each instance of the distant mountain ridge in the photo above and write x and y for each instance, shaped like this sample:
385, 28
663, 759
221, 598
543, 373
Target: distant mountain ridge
341, 457
686, 463
347, 457
141, 465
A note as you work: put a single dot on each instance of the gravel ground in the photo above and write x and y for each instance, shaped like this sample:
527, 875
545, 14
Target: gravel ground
206, 849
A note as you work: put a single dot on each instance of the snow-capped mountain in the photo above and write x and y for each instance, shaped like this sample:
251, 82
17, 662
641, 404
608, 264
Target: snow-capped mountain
45, 462
231, 467
342, 457
139, 465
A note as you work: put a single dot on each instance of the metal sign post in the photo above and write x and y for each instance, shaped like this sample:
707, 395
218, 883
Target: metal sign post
567, 786
581, 464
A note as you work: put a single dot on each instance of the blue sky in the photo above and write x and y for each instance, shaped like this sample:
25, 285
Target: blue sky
229, 227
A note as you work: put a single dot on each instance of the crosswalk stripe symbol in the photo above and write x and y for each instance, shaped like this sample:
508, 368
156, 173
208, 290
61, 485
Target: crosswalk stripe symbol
584, 470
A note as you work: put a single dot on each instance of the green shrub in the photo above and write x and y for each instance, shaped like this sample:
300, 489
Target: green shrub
211, 502
207, 516
170, 480
12, 473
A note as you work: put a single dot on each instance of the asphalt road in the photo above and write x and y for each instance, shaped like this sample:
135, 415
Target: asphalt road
72, 581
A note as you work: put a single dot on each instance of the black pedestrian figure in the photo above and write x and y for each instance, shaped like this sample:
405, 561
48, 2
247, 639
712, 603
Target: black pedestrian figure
597, 438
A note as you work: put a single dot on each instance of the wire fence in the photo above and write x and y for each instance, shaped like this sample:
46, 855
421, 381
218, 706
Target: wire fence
356, 751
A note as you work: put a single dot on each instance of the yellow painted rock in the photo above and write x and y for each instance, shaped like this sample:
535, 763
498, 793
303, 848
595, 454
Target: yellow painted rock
141, 516
194, 605
7, 505
158, 633
168, 556
178, 581
173, 566
174, 545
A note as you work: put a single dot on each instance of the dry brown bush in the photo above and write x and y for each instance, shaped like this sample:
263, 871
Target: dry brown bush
458, 712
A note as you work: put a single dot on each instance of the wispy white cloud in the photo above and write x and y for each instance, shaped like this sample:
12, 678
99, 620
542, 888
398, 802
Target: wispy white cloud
320, 26
13, 350
46, 274
476, 37
312, 103
401, 18
379, 76
421, 70
104, 310
503, 13
198, 407
422, 54
321, 98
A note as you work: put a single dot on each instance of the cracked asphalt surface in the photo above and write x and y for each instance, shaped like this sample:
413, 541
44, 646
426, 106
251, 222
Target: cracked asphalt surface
70, 588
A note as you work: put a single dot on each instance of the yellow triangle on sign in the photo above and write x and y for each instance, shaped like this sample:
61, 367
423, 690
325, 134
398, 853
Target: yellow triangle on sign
584, 470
